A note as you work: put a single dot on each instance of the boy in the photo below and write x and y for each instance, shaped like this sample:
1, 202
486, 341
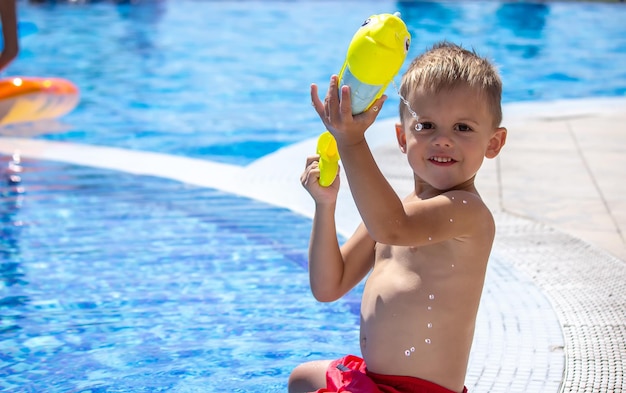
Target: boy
428, 252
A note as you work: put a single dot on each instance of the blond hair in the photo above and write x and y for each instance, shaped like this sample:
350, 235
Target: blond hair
448, 65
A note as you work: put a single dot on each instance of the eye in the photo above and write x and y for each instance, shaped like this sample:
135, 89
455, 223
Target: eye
407, 44
463, 127
424, 126
367, 21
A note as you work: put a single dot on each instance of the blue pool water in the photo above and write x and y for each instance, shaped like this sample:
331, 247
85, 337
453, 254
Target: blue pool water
190, 289
229, 81
117, 282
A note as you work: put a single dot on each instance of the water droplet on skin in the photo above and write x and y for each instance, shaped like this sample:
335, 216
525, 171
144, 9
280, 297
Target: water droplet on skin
452, 265
451, 220
407, 353
464, 202
431, 296
429, 308
412, 349
430, 238
427, 341
430, 325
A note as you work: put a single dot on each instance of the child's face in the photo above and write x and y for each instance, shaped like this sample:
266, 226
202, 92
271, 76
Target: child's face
457, 133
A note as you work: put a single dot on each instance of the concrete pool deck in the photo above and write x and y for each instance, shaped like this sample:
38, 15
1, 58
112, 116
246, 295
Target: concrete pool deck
553, 313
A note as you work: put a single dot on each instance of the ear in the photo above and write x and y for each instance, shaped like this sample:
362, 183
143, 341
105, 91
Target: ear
497, 141
401, 136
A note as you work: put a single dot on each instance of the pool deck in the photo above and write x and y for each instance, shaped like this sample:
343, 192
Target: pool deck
553, 313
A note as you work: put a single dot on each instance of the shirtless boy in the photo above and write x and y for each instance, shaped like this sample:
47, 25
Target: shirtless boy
427, 253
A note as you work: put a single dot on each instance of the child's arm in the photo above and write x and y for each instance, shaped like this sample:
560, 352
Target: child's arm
9, 32
375, 198
333, 271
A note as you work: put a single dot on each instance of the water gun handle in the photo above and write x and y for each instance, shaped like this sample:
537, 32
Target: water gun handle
329, 158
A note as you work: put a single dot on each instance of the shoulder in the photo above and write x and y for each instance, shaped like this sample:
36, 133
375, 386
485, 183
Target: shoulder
457, 214
457, 203
466, 199
476, 215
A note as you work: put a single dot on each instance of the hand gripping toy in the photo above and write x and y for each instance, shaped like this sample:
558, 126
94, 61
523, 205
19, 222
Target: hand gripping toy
374, 57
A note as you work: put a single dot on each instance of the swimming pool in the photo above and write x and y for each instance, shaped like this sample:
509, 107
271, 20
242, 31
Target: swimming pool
229, 81
113, 281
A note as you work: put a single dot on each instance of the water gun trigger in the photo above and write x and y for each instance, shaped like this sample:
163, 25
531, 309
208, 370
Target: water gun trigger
329, 158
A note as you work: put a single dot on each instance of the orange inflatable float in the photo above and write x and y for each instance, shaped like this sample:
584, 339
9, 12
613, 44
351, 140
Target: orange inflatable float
27, 99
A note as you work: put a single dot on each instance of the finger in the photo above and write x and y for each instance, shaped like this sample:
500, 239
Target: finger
332, 93
332, 98
312, 164
312, 175
304, 176
311, 159
316, 102
345, 106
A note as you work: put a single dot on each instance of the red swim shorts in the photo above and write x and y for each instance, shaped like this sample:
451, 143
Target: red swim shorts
349, 375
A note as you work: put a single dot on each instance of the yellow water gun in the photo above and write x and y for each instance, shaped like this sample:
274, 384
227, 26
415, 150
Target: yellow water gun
374, 57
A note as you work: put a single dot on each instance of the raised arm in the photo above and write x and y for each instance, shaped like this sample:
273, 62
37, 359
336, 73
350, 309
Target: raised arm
377, 202
8, 18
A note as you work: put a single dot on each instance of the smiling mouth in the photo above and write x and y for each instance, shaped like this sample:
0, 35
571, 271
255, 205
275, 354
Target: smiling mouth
442, 160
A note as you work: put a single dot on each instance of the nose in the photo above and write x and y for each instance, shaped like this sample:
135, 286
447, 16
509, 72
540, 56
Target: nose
442, 140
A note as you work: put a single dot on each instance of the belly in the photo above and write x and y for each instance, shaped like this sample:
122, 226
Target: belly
394, 314
408, 328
